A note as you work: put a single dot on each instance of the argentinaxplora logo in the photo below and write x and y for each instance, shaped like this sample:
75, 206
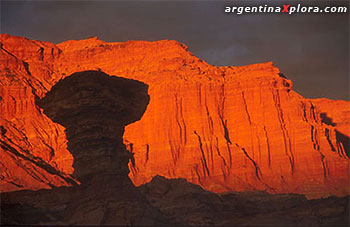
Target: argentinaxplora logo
288, 9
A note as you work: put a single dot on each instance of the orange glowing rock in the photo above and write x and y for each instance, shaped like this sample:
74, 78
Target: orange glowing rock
224, 128
335, 113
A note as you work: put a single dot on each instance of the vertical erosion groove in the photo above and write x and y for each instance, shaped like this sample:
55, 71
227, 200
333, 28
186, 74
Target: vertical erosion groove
312, 113
224, 169
246, 108
218, 151
221, 115
324, 166
314, 138
210, 120
268, 148
327, 134
197, 174
343, 144
133, 167
250, 124
257, 169
286, 138
304, 111
132, 159
316, 147
180, 121
224, 123
147, 152
177, 117
203, 160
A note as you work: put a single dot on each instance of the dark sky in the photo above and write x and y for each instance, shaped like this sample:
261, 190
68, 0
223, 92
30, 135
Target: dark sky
310, 49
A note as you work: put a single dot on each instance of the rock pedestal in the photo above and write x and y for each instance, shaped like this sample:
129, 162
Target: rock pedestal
94, 108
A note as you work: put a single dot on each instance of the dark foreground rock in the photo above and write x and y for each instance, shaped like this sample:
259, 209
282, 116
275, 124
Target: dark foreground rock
191, 205
168, 202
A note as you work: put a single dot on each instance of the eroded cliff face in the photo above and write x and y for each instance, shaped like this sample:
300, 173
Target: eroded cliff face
224, 128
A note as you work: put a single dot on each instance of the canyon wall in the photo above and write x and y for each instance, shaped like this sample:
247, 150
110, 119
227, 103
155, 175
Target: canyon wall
224, 128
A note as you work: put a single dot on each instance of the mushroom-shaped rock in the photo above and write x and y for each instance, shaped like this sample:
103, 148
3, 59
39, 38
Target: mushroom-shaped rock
94, 108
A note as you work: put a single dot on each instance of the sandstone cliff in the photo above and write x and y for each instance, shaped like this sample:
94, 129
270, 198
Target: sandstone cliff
224, 128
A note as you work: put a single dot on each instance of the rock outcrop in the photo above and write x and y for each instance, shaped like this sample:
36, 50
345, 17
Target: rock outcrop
190, 205
94, 108
224, 128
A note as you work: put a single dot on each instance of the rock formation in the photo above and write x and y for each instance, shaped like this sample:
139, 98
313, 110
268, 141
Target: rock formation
94, 108
224, 128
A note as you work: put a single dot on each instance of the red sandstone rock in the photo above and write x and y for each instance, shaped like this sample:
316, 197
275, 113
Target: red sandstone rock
225, 128
335, 113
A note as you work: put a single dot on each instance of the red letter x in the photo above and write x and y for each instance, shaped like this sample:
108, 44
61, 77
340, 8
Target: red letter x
285, 8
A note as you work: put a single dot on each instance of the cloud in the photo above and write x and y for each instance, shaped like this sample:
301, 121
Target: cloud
311, 49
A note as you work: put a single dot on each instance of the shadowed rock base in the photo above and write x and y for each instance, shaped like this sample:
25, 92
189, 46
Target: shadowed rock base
183, 203
191, 205
113, 201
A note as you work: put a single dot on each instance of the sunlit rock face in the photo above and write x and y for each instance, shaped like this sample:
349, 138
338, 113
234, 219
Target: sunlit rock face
335, 113
224, 128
